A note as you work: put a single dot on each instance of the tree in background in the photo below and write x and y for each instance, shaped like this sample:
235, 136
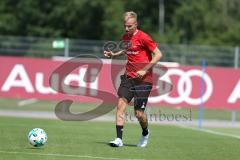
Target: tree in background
206, 22
192, 22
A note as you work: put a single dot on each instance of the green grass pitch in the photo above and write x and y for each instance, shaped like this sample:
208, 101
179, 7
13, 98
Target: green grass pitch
89, 140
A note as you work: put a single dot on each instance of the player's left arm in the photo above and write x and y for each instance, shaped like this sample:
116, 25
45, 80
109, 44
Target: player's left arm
156, 56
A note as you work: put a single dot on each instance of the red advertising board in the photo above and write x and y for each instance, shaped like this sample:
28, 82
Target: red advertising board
191, 87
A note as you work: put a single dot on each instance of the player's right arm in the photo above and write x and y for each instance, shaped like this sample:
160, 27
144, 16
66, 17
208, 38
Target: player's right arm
113, 54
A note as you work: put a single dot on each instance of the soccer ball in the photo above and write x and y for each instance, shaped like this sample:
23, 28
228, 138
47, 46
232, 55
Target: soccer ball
37, 137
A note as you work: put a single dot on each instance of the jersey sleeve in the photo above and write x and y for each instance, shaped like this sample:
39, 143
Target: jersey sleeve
149, 43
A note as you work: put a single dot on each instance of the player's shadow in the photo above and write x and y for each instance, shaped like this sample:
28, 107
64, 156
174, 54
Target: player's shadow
34, 148
128, 145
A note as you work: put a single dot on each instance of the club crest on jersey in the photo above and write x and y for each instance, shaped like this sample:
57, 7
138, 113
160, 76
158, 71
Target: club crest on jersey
125, 45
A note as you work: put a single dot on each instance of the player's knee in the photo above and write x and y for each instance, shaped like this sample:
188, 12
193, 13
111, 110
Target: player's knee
139, 114
121, 104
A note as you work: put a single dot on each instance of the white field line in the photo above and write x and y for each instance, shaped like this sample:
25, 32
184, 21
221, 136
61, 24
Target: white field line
27, 102
210, 131
67, 155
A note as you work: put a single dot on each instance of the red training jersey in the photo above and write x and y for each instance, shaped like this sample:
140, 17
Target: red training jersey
139, 52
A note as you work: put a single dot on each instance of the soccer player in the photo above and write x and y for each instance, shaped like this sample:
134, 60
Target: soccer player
142, 53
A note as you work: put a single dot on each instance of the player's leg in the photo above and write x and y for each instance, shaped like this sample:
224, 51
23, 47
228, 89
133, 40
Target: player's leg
120, 116
140, 101
120, 119
143, 121
125, 96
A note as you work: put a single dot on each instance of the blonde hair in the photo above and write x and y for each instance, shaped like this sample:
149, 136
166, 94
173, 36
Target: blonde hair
130, 14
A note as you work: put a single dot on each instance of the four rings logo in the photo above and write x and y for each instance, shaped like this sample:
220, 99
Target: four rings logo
184, 87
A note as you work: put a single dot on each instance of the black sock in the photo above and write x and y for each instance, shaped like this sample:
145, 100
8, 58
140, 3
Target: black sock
119, 131
145, 131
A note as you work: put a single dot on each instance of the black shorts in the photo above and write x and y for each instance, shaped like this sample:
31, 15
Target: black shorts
135, 88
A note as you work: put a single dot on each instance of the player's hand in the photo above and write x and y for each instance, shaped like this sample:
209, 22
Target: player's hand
141, 73
108, 54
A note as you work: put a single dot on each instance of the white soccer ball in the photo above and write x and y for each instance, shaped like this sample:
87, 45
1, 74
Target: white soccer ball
37, 137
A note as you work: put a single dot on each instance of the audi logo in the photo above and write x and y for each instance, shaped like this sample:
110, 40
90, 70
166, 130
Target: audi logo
184, 87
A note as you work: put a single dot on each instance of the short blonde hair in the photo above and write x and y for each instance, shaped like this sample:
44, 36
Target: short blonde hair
130, 14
